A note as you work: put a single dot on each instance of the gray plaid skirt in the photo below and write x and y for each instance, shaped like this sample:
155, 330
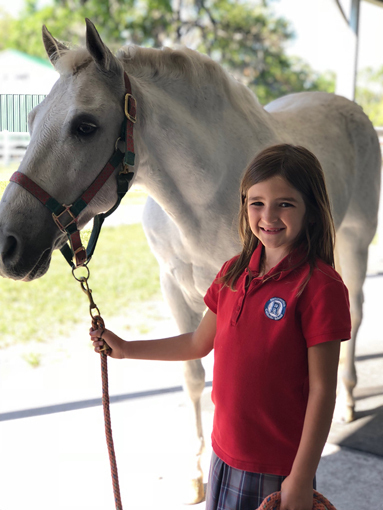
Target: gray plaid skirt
232, 489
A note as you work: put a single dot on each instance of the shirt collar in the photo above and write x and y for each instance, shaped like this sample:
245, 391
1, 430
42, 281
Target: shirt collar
282, 269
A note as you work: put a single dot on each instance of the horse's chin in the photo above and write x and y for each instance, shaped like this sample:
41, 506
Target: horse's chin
40, 268
27, 272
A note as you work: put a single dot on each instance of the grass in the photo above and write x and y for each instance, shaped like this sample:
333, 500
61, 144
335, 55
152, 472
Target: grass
33, 359
123, 271
3, 185
7, 171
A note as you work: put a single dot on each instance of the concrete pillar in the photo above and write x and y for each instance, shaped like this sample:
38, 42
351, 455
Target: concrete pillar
348, 65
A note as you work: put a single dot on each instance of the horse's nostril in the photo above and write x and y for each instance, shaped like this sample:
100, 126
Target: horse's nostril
9, 249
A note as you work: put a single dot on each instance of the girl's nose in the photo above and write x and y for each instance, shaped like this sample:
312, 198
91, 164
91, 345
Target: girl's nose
270, 215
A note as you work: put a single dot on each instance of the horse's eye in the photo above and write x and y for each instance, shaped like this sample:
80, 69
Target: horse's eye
86, 129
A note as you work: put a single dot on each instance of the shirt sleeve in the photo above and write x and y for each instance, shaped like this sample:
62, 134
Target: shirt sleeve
325, 314
212, 294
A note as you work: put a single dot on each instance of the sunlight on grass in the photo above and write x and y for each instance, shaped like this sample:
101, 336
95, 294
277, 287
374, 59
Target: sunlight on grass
3, 185
7, 171
123, 271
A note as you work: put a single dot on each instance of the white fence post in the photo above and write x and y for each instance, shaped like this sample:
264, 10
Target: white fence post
6, 148
12, 146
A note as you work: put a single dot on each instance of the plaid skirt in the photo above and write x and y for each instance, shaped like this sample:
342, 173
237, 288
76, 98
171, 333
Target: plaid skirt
232, 489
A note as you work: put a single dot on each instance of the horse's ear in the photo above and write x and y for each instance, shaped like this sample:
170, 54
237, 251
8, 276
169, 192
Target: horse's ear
53, 47
102, 56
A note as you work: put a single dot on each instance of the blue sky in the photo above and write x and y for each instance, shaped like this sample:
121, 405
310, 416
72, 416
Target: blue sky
320, 31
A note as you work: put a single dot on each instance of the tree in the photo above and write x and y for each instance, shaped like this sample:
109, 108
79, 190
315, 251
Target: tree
369, 94
246, 37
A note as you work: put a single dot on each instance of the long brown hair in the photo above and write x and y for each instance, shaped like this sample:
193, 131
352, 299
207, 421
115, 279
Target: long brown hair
302, 170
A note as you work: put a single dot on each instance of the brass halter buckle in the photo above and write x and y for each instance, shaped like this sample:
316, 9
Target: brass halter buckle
57, 220
126, 108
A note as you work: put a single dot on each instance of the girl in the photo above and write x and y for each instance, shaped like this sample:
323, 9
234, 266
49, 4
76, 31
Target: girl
276, 316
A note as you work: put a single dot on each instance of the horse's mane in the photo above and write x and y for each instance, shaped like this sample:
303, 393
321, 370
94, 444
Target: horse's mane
178, 64
168, 65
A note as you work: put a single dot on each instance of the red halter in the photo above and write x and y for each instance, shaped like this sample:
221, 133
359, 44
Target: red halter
66, 216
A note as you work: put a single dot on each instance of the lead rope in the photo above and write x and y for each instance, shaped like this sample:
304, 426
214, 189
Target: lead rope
98, 323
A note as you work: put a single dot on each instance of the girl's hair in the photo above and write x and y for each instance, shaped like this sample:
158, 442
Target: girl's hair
302, 170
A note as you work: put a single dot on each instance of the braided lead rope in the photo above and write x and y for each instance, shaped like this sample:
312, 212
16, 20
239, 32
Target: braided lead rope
273, 502
98, 323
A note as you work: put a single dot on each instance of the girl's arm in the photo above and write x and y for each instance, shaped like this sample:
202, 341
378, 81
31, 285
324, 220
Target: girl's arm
181, 347
297, 488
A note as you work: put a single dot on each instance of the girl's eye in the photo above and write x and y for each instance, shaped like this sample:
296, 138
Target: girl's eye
256, 203
286, 204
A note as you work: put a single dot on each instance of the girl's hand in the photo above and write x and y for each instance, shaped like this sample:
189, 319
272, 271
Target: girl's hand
116, 344
296, 495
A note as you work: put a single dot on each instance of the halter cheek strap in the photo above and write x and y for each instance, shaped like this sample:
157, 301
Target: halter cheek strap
66, 216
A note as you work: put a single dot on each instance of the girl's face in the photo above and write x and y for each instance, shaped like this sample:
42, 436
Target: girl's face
276, 212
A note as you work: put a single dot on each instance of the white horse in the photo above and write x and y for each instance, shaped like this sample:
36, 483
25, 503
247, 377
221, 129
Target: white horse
197, 128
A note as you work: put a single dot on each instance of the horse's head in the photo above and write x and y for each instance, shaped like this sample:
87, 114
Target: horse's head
73, 135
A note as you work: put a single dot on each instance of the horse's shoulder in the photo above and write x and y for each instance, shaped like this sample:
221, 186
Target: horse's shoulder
163, 235
156, 223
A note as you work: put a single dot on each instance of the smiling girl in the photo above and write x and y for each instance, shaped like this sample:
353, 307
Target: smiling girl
276, 316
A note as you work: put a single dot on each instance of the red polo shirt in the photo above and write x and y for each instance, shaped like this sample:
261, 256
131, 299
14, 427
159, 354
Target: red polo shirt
260, 379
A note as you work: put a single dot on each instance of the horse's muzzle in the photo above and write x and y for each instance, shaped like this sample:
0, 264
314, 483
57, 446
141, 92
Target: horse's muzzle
22, 260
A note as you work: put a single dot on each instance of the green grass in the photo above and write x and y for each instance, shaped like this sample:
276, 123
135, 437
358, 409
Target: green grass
7, 171
123, 271
3, 185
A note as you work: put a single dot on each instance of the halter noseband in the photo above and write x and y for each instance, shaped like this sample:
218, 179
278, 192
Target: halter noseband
66, 216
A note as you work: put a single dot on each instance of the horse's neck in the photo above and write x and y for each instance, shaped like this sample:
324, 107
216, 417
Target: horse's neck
194, 147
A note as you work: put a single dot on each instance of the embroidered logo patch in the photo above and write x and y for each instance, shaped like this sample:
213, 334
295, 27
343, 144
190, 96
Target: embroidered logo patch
275, 308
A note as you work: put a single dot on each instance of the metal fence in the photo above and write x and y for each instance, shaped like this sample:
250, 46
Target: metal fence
12, 146
14, 109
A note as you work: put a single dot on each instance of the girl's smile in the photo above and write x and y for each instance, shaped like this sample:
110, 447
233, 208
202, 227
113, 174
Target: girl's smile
272, 231
276, 212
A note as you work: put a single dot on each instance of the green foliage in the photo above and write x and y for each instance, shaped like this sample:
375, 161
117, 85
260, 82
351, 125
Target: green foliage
123, 271
369, 94
24, 33
33, 359
245, 37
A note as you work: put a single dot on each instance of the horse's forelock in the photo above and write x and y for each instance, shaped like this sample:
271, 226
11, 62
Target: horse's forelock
72, 61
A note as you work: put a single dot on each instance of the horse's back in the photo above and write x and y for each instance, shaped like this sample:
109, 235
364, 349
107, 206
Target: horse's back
339, 133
